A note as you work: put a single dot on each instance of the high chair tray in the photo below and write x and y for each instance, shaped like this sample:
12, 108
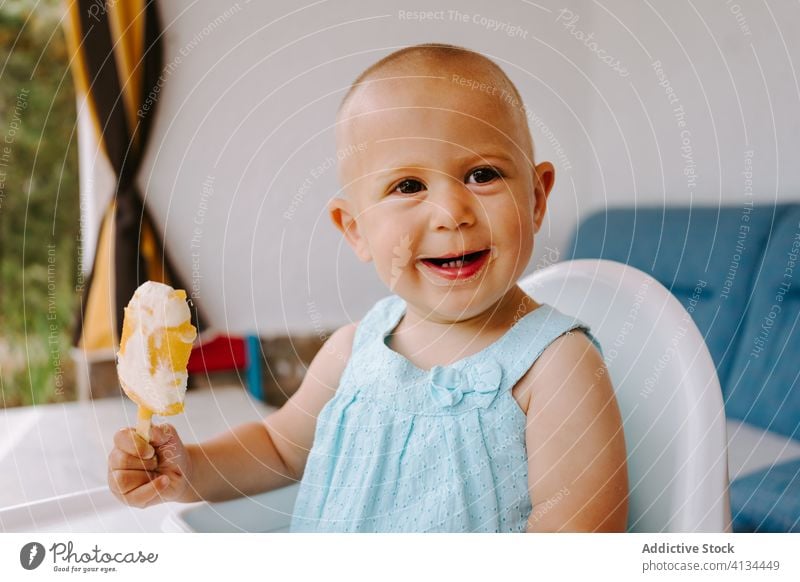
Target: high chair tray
91, 511
267, 512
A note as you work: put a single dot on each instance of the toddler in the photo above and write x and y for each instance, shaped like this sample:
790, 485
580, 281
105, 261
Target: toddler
458, 402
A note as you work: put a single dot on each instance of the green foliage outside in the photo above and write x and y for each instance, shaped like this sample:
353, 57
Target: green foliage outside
39, 205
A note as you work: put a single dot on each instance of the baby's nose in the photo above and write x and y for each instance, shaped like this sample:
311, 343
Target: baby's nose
451, 208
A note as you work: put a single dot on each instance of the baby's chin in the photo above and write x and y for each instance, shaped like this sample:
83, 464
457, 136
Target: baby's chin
449, 307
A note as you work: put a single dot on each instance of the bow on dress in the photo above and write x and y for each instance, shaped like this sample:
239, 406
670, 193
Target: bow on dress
448, 384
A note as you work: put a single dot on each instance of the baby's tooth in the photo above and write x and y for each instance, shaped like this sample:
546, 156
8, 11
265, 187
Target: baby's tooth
453, 264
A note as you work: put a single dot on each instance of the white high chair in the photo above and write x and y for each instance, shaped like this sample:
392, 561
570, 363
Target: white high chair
666, 386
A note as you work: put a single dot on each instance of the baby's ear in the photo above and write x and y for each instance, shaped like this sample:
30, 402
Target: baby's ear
544, 176
344, 218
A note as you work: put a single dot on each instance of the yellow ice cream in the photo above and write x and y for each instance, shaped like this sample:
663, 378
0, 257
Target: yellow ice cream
157, 337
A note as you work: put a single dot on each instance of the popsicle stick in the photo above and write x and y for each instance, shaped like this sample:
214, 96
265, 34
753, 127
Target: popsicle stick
143, 423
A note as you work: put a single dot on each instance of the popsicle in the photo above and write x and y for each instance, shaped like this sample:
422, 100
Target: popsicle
157, 337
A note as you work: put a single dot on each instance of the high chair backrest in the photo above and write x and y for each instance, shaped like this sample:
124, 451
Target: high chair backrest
666, 387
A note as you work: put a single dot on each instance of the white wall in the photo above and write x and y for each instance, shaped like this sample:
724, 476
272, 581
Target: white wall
251, 89
730, 66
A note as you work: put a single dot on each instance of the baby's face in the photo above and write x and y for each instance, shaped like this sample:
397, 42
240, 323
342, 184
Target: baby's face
433, 171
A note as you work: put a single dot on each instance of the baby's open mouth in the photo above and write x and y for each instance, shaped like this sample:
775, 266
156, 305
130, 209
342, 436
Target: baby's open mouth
460, 268
456, 262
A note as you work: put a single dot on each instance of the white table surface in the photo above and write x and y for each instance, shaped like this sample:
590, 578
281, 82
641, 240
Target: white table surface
51, 451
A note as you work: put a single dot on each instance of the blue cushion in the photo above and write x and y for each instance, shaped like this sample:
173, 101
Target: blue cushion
724, 265
768, 500
763, 387
687, 249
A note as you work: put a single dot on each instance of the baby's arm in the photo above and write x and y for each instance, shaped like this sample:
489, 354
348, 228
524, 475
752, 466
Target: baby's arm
249, 459
262, 456
577, 472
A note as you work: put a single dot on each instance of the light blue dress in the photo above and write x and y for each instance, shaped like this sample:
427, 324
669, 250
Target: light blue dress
401, 449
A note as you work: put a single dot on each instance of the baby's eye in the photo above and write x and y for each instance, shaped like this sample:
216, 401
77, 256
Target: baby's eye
409, 186
483, 175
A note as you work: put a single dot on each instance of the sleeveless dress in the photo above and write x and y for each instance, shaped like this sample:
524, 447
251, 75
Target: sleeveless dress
401, 449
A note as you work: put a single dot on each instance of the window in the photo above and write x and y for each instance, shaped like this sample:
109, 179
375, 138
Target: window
39, 205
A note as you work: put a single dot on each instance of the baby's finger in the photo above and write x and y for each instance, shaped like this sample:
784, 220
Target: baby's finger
119, 459
125, 481
163, 434
147, 494
129, 441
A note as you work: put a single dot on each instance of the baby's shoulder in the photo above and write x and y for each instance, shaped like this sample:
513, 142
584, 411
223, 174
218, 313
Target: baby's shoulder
573, 346
339, 346
571, 355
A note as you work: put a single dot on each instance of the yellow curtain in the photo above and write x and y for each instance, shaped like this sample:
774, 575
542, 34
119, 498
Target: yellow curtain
115, 57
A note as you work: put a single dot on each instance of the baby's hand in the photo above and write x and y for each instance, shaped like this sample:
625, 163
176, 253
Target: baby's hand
142, 474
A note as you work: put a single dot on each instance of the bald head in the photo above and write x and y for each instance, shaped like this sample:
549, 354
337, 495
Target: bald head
461, 70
